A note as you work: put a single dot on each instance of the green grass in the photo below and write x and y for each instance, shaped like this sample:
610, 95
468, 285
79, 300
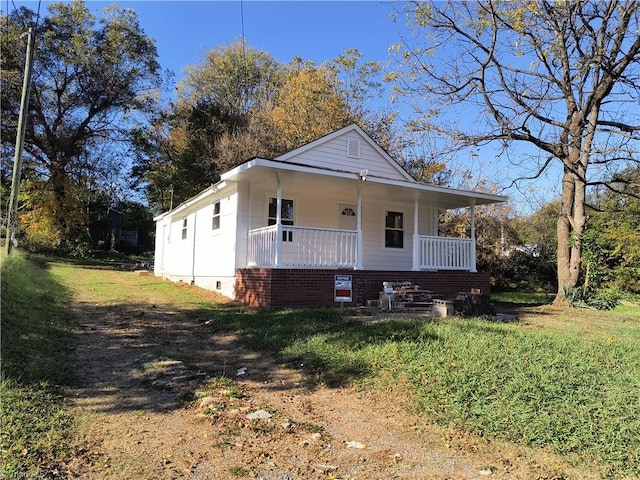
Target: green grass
571, 386
563, 380
36, 343
524, 298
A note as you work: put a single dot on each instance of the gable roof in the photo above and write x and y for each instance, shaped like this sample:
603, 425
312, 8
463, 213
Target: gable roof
380, 162
305, 160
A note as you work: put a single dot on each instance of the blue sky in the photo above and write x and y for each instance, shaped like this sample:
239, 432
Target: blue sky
317, 31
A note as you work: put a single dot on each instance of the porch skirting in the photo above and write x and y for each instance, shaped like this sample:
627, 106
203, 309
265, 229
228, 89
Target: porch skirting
277, 288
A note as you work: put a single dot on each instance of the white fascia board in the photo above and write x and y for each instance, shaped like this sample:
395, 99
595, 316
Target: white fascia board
193, 200
283, 166
483, 197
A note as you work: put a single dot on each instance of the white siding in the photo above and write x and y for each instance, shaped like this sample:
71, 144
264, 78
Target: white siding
206, 257
311, 209
332, 155
319, 208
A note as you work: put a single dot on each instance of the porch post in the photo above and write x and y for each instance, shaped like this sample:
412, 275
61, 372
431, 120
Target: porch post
472, 207
278, 223
359, 262
416, 237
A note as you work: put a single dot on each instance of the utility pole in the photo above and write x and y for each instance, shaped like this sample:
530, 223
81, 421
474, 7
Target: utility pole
12, 217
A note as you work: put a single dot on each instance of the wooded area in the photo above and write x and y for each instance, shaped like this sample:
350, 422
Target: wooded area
105, 149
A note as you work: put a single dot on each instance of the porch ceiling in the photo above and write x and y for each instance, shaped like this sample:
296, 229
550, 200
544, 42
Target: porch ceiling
259, 171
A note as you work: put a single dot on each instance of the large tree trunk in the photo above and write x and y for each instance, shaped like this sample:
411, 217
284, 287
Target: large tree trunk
570, 227
69, 217
60, 198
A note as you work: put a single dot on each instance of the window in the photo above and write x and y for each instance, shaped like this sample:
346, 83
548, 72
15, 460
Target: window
348, 212
215, 221
286, 216
394, 230
286, 213
184, 229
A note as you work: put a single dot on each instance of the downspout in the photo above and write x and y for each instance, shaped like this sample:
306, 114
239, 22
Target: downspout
278, 222
472, 205
193, 256
416, 237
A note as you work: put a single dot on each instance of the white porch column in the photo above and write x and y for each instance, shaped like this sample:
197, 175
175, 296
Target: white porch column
359, 247
278, 223
472, 208
416, 237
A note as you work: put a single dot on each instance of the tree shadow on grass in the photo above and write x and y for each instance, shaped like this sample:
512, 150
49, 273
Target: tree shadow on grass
139, 357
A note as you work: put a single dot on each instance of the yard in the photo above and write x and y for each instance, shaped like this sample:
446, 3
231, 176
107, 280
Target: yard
155, 380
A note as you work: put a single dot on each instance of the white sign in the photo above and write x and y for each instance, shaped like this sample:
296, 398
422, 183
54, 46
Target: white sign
343, 288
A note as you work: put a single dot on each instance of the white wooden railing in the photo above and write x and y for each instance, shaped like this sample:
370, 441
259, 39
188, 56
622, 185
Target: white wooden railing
302, 247
444, 253
306, 247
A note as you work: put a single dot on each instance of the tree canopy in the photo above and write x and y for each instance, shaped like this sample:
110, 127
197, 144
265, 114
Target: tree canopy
93, 79
239, 103
562, 77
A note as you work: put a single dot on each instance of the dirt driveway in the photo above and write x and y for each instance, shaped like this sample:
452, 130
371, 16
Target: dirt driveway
161, 396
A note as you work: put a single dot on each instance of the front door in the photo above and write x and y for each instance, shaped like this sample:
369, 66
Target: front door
347, 216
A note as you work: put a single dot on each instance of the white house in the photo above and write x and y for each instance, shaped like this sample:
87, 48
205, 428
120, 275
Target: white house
274, 232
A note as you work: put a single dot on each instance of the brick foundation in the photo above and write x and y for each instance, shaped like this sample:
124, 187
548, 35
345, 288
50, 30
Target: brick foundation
276, 288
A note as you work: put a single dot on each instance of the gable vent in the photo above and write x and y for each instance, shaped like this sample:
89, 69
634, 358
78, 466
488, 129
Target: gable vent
353, 147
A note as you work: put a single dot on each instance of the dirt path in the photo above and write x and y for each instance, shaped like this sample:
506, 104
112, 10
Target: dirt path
155, 404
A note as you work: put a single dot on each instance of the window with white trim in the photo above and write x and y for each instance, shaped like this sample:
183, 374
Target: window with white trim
184, 229
394, 230
286, 216
215, 220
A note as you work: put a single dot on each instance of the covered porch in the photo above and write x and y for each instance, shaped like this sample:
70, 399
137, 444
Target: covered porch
282, 246
295, 219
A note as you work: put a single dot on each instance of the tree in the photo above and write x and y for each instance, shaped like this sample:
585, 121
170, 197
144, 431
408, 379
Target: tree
306, 107
561, 77
210, 127
92, 81
239, 103
612, 240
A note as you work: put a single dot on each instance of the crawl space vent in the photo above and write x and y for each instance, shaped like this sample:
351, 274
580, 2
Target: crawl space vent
353, 147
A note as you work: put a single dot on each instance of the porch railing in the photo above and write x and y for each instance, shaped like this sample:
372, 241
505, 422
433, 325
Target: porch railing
303, 247
444, 253
307, 247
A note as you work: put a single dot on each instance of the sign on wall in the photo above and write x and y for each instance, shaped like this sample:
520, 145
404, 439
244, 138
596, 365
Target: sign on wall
343, 288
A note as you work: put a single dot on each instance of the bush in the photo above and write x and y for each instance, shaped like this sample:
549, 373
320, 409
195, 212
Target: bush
600, 299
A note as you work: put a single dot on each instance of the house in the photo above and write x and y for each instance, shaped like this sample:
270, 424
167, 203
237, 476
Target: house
327, 222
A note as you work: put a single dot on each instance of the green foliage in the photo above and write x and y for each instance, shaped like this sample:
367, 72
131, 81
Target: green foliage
477, 73
612, 240
239, 103
36, 343
562, 389
600, 299
93, 76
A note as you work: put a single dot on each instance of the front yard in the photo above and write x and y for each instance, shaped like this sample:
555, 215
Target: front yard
553, 394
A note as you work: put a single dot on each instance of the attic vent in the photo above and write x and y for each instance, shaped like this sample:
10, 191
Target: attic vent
353, 147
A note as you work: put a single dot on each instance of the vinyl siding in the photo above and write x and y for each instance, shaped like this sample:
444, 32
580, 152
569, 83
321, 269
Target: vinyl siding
332, 155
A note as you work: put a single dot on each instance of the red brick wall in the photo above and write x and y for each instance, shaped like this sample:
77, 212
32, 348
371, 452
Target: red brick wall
264, 287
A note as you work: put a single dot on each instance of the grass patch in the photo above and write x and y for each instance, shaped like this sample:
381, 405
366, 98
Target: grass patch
563, 380
524, 298
568, 383
36, 343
